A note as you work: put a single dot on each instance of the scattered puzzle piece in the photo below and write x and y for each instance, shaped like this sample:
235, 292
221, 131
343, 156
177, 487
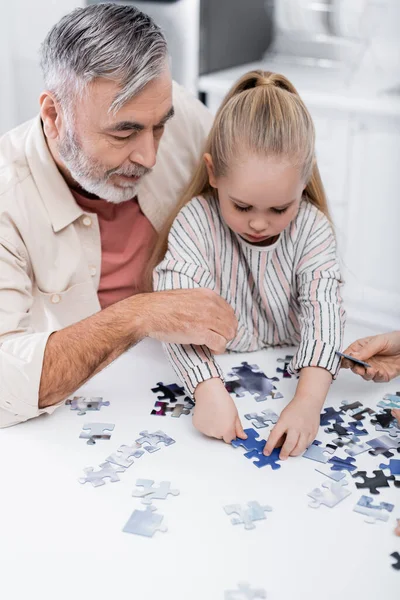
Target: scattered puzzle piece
145, 522
330, 414
356, 428
252, 380
96, 431
263, 420
335, 475
153, 439
333, 493
393, 466
373, 512
150, 493
342, 464
318, 453
284, 370
263, 460
247, 514
356, 409
168, 392
82, 404
354, 449
106, 471
161, 409
385, 418
383, 445
347, 406
244, 593
251, 443
396, 556
373, 483
124, 455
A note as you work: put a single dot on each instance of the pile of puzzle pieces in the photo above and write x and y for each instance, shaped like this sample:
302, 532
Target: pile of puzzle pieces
167, 401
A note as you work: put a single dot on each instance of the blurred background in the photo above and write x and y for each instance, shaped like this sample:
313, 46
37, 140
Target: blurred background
344, 58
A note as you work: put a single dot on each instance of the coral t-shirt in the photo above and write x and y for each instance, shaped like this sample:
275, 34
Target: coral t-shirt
127, 240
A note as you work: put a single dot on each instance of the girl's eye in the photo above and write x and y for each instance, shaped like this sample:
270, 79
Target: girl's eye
242, 208
279, 211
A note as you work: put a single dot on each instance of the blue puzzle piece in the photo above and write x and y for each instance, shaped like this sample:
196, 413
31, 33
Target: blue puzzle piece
394, 466
355, 429
342, 464
251, 443
263, 460
330, 414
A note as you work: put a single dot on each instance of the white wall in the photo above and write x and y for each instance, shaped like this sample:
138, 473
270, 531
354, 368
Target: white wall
23, 26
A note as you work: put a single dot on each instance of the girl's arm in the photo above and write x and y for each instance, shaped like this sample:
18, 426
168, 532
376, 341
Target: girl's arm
322, 320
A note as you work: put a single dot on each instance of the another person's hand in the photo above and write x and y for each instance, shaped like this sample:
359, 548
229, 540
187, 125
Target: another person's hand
215, 413
198, 316
382, 352
295, 430
396, 414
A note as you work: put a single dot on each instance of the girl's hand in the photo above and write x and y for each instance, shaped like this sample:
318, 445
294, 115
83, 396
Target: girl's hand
296, 428
215, 413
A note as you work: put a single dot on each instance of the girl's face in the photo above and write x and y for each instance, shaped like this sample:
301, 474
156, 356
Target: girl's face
259, 197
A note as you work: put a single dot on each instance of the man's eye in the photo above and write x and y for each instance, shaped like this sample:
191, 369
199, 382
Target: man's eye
242, 208
279, 211
121, 138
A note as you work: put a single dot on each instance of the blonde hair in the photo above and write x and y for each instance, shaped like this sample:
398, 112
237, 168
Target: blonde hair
261, 115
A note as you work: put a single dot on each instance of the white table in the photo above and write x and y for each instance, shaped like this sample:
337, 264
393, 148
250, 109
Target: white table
60, 539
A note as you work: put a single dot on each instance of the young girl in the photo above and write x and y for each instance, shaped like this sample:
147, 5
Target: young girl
254, 227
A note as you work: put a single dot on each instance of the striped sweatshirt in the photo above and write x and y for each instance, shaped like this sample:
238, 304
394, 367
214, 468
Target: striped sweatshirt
287, 293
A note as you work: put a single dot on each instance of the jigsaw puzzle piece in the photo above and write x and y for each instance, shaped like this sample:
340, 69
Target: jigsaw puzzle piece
342, 464
82, 404
251, 443
373, 483
335, 475
96, 431
285, 361
153, 439
124, 455
160, 408
318, 453
254, 381
393, 431
263, 460
150, 493
235, 387
168, 392
383, 445
106, 471
396, 556
330, 414
333, 493
356, 428
373, 512
354, 449
244, 593
393, 466
384, 419
347, 406
263, 420
247, 514
145, 522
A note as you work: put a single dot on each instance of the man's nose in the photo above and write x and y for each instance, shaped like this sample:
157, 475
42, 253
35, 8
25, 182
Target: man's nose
146, 151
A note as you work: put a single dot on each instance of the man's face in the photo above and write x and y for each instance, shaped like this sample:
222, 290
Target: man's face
108, 154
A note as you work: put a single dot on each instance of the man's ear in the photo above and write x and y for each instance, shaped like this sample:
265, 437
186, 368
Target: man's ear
51, 115
210, 170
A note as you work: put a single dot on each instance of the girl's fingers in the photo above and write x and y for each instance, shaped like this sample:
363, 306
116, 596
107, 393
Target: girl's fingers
292, 438
302, 444
273, 439
239, 430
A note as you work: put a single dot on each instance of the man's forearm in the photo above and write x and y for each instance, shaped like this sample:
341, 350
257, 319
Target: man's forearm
74, 354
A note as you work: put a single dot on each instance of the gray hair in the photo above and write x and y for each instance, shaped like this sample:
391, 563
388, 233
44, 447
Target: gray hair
103, 40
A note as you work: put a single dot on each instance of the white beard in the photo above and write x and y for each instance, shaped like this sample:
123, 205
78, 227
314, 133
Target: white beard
93, 178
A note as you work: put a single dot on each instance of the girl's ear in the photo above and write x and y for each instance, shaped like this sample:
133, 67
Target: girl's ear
210, 170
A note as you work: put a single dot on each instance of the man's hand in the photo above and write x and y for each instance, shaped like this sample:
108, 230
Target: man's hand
382, 352
199, 317
215, 413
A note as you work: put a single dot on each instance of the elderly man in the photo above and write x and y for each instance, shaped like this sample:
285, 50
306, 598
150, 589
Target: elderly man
81, 200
